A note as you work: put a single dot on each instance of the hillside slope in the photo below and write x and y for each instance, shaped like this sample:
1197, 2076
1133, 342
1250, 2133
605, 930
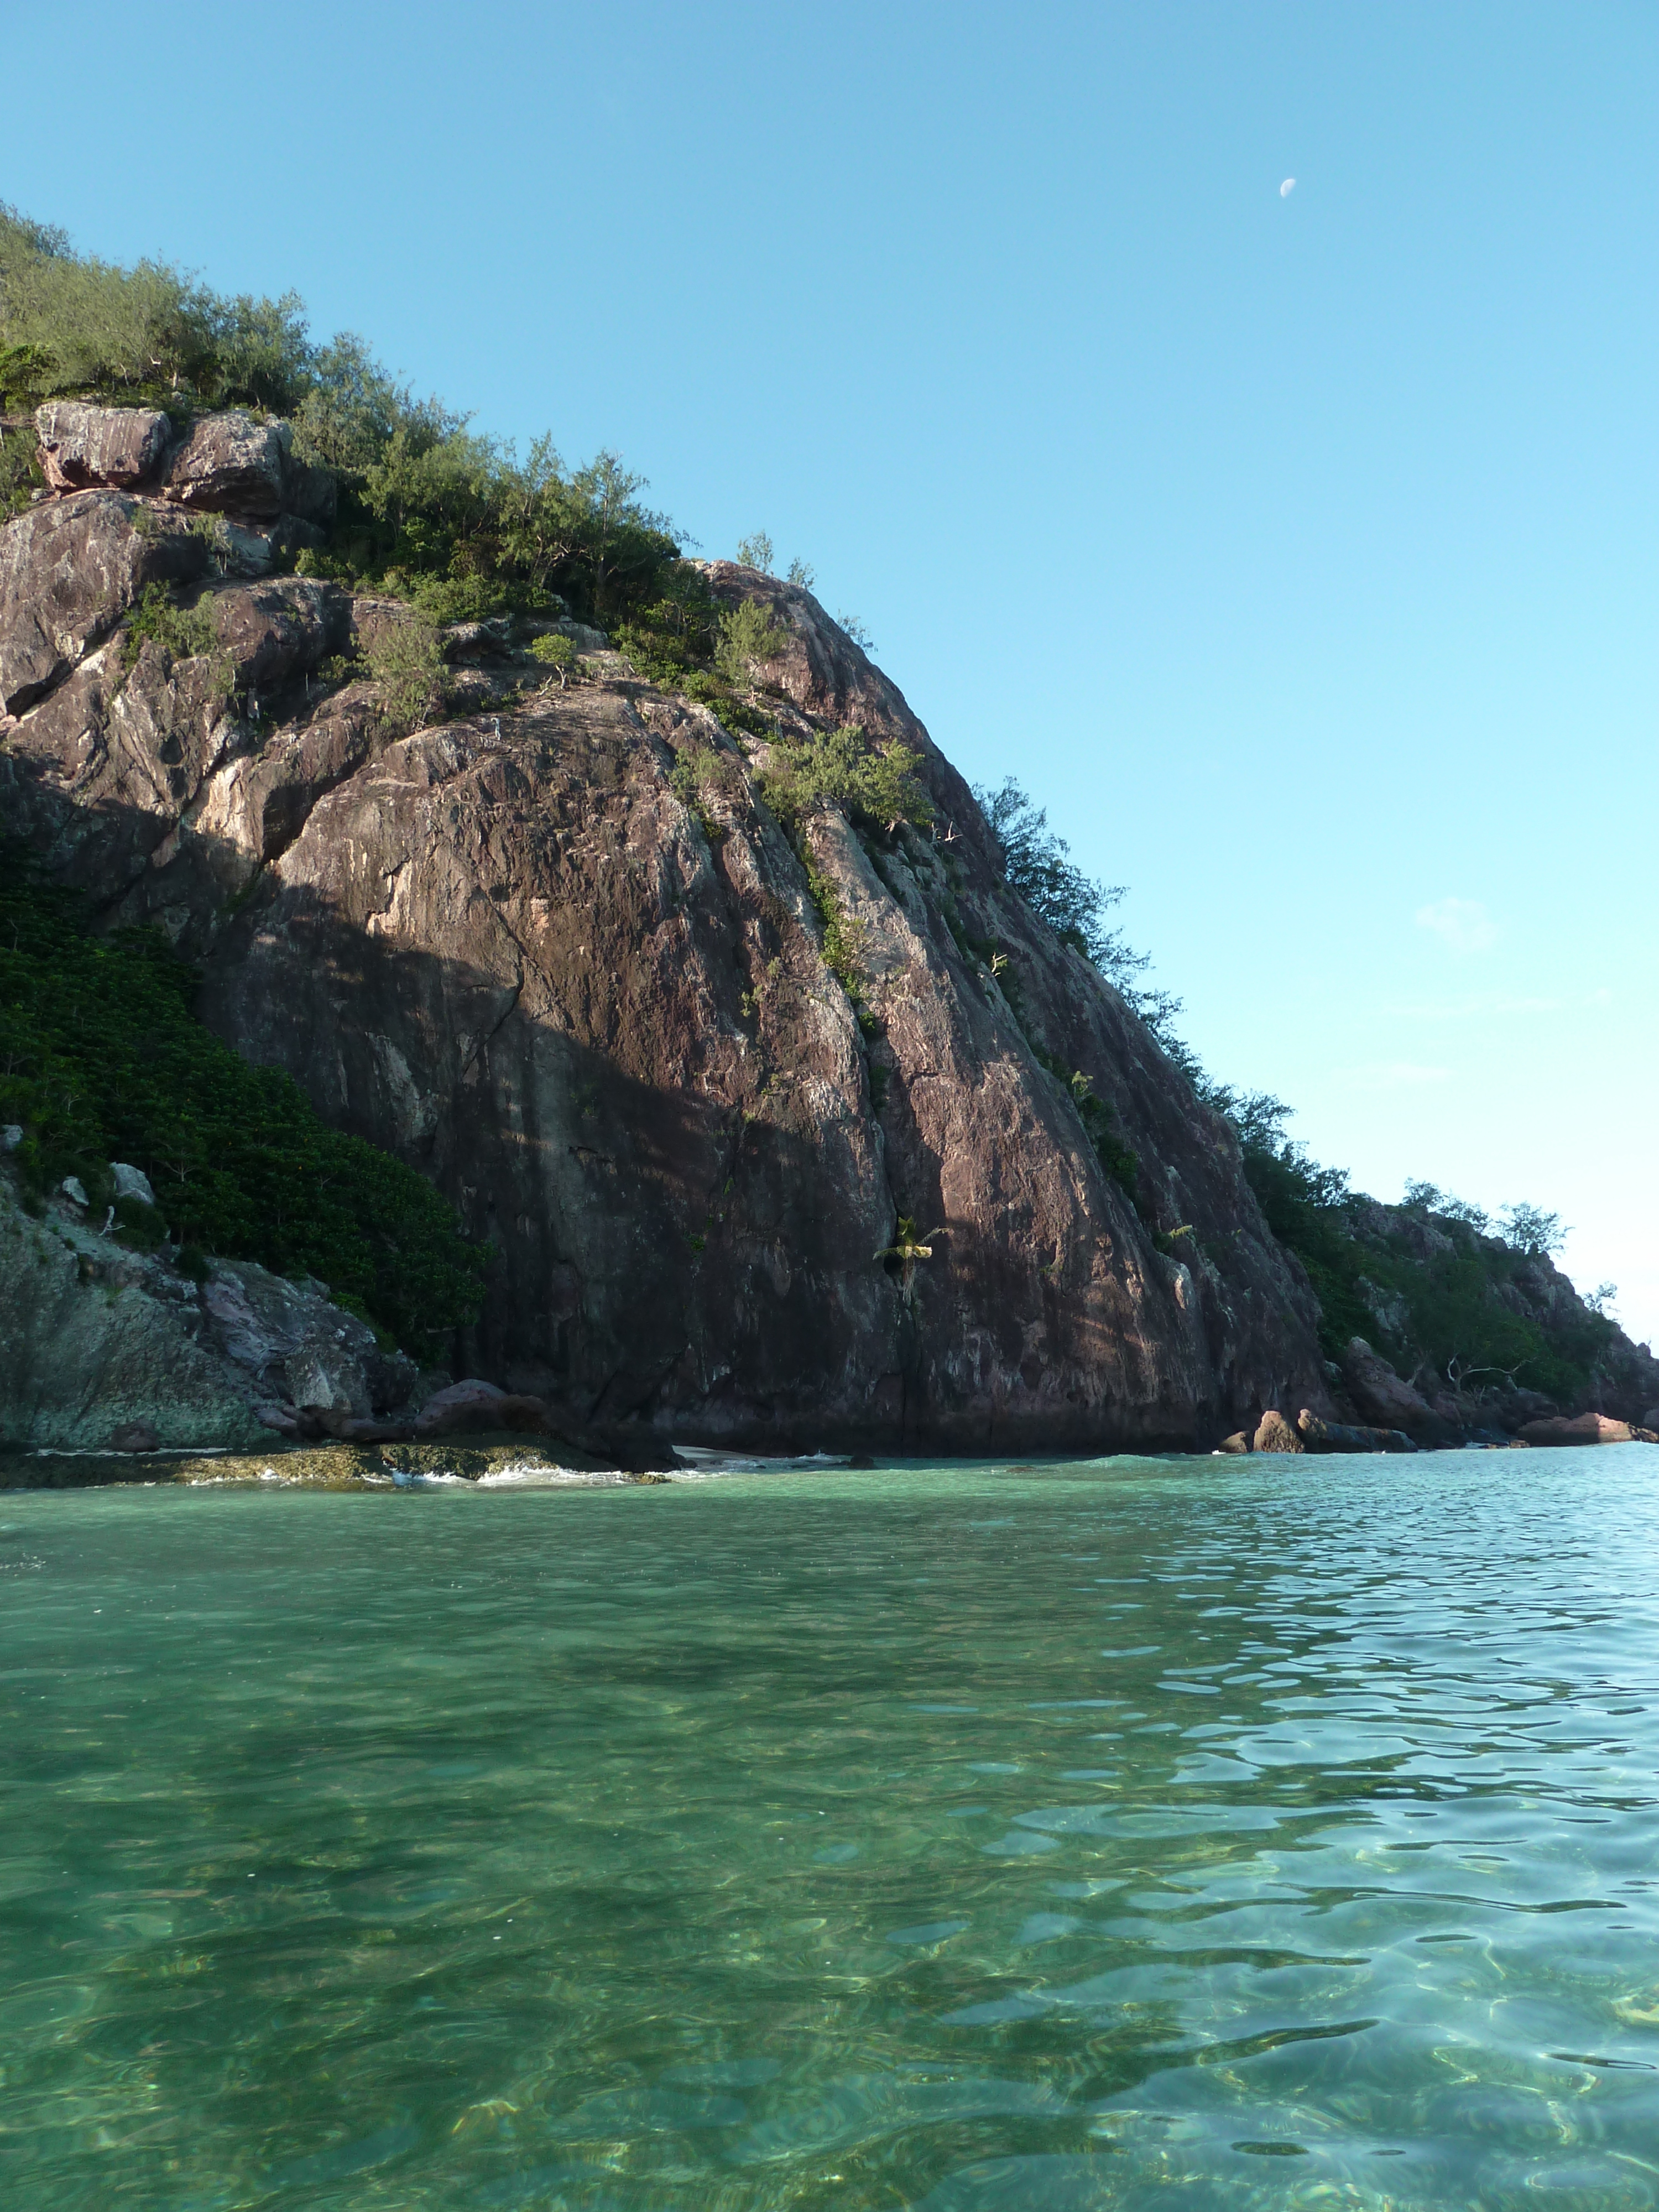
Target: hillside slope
556, 949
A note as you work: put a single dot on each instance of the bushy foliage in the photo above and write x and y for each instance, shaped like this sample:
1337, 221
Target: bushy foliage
70, 323
428, 510
755, 552
1459, 1325
405, 659
21, 474
748, 636
672, 638
101, 1059
1530, 1229
554, 651
182, 632
879, 785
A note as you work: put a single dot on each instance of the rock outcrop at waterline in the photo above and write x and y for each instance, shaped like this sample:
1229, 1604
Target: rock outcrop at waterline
518, 951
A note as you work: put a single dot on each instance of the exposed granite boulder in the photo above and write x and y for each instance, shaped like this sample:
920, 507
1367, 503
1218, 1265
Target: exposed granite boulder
168, 764
1274, 1434
1242, 1440
229, 463
68, 570
83, 446
1582, 1429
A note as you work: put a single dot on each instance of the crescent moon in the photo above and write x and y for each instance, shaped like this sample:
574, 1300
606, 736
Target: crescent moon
1287, 188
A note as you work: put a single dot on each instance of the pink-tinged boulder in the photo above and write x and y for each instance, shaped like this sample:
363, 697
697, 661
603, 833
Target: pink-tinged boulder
473, 1404
1582, 1429
1274, 1434
229, 463
117, 447
1386, 1399
1242, 1440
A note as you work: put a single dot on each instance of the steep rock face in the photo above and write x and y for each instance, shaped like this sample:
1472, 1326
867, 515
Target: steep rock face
598, 1013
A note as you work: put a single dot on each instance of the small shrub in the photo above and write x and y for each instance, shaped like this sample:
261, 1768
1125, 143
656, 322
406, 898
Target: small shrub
748, 636
21, 474
843, 937
693, 769
755, 552
405, 661
182, 632
878, 785
555, 652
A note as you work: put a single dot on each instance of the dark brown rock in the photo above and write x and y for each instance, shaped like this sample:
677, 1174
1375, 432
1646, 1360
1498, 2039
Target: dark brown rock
475, 1405
1323, 1436
83, 446
277, 631
1386, 1399
69, 571
1274, 1434
135, 1436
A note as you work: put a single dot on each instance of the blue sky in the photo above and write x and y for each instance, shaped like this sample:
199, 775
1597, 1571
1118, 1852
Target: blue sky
1298, 552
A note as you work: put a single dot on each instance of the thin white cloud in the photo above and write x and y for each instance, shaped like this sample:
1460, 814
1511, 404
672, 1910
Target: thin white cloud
1464, 923
1389, 1075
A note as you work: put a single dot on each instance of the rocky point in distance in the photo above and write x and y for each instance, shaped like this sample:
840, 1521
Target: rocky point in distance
783, 1134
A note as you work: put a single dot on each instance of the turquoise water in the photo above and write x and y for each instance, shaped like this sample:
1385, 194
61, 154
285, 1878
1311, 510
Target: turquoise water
1195, 1834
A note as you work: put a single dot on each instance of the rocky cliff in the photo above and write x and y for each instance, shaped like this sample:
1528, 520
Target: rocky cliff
556, 950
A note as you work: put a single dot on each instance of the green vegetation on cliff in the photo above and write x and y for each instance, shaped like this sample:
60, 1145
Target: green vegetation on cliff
1426, 1281
101, 1059
429, 509
1433, 1283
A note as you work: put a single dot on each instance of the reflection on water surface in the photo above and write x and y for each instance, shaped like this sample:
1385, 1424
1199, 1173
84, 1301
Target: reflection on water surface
1186, 1833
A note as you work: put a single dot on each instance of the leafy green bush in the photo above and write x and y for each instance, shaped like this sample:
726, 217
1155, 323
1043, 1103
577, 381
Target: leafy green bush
182, 632
879, 785
69, 323
101, 1059
21, 474
748, 636
404, 660
555, 652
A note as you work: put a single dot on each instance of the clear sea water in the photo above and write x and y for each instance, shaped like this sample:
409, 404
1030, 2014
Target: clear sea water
1188, 1834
